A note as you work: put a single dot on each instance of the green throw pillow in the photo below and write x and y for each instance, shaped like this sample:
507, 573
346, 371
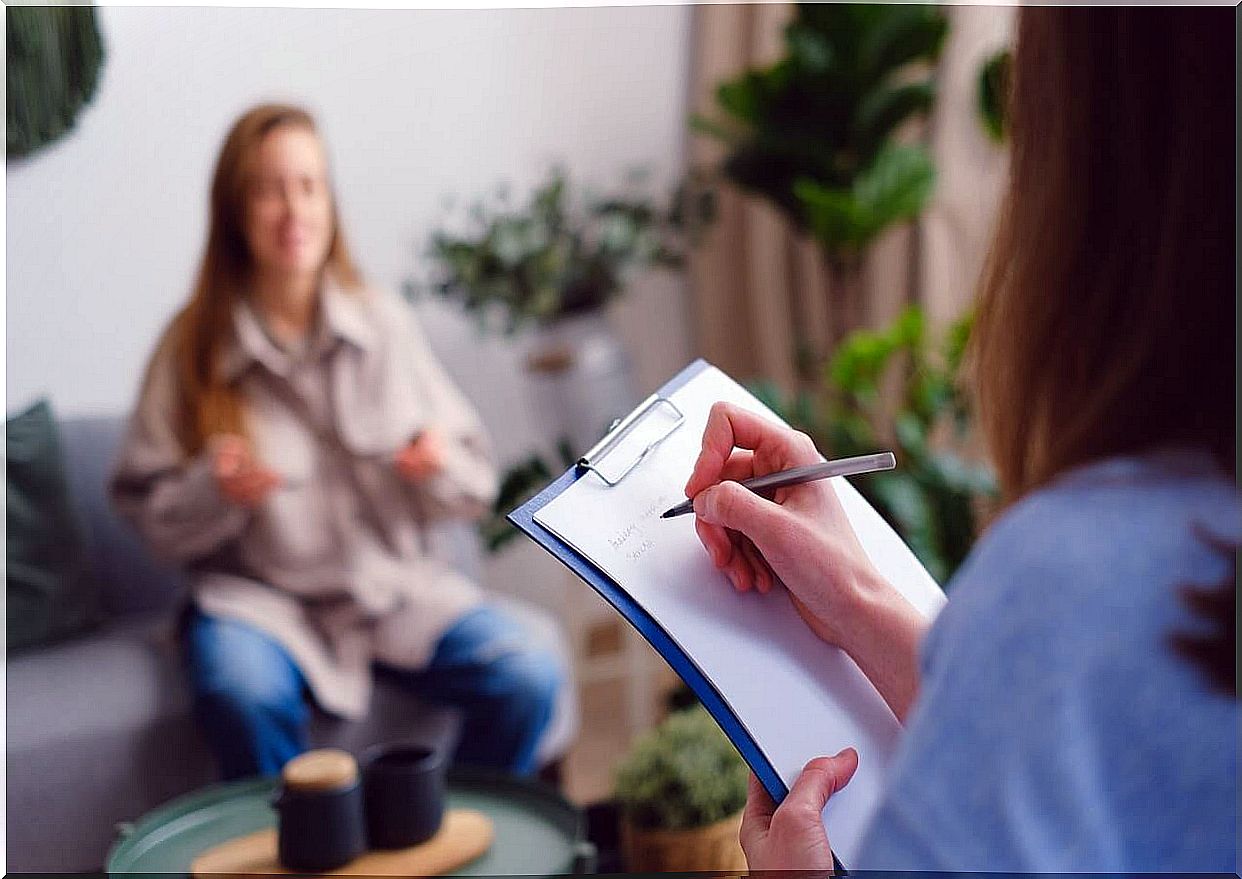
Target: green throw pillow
50, 594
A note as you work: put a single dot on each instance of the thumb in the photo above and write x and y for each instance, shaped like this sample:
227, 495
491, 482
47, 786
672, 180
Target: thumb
731, 506
820, 779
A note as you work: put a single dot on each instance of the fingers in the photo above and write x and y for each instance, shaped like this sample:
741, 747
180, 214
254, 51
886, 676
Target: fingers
422, 457
728, 427
251, 487
724, 553
229, 454
744, 566
820, 779
757, 817
731, 506
740, 466
716, 541
760, 571
736, 557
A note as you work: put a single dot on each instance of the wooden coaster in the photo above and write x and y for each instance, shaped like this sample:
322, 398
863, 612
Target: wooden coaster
463, 836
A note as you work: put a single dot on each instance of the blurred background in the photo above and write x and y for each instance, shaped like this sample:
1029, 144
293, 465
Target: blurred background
802, 195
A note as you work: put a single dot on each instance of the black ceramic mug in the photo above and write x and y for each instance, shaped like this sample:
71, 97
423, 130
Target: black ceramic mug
403, 787
320, 812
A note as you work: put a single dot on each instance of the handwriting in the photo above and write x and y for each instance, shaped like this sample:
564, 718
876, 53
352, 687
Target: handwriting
619, 540
640, 550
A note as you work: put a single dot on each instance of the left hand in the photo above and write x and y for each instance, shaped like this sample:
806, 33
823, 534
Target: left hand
422, 458
792, 836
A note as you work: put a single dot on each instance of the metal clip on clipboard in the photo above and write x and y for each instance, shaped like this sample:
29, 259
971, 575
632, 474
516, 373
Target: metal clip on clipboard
622, 428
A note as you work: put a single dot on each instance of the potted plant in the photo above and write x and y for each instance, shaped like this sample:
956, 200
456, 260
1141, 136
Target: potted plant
553, 264
681, 791
814, 133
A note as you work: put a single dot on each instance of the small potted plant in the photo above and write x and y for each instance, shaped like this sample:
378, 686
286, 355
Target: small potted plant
681, 792
563, 254
554, 264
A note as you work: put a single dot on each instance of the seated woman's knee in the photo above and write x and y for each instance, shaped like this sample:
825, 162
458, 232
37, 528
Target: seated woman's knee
530, 678
235, 666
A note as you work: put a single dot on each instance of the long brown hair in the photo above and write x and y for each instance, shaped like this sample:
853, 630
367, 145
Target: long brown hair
1106, 316
1107, 306
208, 403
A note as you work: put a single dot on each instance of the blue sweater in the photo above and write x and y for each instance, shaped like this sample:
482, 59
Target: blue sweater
1055, 729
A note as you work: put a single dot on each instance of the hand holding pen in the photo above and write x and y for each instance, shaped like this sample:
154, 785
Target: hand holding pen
799, 537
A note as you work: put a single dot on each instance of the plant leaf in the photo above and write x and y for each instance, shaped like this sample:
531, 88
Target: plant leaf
908, 33
896, 186
883, 109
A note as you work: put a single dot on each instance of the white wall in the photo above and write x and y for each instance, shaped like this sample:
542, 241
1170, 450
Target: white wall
105, 227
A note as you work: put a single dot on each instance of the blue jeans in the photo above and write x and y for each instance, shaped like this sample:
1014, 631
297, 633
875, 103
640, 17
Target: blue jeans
251, 699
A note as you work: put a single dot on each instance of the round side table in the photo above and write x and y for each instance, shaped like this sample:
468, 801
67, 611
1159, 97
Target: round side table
538, 832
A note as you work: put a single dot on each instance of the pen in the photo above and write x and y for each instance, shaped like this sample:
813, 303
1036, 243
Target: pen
765, 485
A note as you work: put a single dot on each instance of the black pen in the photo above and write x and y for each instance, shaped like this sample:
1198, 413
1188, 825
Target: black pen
765, 485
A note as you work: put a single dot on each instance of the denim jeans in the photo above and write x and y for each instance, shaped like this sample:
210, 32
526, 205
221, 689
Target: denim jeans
250, 698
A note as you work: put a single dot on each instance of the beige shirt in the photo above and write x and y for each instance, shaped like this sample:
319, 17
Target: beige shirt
334, 563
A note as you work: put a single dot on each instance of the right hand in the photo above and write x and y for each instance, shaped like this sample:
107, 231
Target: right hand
239, 475
801, 538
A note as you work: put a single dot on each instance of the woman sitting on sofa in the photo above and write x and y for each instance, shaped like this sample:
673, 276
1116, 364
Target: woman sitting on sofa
293, 438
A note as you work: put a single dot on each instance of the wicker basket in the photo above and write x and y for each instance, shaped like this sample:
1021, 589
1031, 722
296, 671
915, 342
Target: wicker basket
714, 847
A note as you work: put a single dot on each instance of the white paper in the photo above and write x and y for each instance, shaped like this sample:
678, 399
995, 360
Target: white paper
797, 697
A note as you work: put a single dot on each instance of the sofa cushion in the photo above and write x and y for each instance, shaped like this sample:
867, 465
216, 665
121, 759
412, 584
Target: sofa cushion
130, 580
119, 677
50, 595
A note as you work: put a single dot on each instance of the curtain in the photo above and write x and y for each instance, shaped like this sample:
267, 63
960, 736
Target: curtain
762, 306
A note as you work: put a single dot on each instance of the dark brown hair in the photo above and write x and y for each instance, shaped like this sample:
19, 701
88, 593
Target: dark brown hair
208, 404
1106, 315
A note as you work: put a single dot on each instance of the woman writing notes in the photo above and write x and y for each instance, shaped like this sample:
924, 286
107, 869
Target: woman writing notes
292, 439
1074, 706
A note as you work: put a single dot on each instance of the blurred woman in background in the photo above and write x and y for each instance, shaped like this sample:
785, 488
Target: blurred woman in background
293, 439
1074, 707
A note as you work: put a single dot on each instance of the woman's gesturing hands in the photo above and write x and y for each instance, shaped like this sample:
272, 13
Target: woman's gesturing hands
422, 457
239, 475
791, 836
800, 538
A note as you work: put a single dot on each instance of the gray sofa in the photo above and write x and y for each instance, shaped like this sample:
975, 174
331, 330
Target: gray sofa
99, 726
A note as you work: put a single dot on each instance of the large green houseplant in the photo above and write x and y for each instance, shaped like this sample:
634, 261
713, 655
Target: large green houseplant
899, 388
814, 133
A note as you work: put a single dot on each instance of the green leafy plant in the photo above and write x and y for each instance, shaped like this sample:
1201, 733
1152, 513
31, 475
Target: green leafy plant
813, 133
53, 60
898, 387
519, 484
680, 775
992, 88
562, 254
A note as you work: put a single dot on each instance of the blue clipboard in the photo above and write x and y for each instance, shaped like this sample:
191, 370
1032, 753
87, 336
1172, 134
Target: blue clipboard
524, 518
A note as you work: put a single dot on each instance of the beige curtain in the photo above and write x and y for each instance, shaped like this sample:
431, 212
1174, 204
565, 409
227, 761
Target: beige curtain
761, 302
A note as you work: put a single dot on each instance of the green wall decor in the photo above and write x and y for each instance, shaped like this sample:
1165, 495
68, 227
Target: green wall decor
993, 90
54, 55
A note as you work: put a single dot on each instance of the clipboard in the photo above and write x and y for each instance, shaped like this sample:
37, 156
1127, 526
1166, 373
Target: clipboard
590, 465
